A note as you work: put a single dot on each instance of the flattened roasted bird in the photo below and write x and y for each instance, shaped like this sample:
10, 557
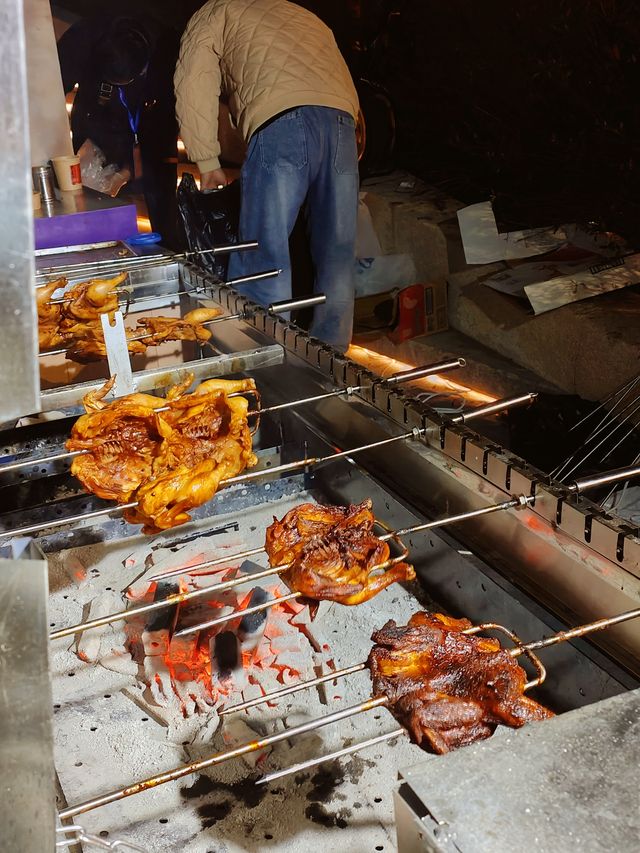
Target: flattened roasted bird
169, 461
86, 339
333, 552
448, 688
49, 316
122, 438
205, 439
187, 328
88, 299
62, 322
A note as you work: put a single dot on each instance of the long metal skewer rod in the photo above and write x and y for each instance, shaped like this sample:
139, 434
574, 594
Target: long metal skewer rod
214, 589
339, 753
574, 633
232, 282
220, 757
293, 688
429, 525
397, 378
137, 261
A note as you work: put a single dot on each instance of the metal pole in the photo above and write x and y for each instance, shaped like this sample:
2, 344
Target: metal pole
219, 757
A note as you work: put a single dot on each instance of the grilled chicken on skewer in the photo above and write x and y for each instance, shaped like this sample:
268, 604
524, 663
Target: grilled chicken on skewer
88, 337
87, 299
49, 314
332, 552
446, 687
169, 453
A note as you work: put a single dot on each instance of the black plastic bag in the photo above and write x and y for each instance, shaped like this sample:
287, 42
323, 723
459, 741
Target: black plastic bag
209, 220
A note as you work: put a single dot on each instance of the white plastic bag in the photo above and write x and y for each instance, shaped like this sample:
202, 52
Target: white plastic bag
377, 275
96, 174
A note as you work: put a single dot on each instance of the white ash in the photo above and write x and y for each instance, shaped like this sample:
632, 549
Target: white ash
110, 732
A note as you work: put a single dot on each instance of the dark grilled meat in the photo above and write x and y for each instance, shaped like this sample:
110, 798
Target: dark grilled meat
448, 688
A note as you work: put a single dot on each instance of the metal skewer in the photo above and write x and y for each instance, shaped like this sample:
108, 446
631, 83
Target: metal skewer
404, 376
339, 753
220, 757
231, 481
232, 282
138, 261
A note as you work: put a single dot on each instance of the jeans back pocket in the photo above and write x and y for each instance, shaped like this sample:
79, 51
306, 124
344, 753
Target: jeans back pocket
346, 156
283, 143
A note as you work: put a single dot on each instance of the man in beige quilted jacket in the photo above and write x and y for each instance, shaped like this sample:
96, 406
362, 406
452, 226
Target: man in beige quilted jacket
292, 97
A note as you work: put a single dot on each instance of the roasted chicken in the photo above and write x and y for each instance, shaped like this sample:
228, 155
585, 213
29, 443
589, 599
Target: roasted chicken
448, 688
188, 328
60, 323
332, 553
76, 322
122, 438
87, 299
205, 439
168, 454
49, 315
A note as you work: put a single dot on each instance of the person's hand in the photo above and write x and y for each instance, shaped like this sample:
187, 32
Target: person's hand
213, 180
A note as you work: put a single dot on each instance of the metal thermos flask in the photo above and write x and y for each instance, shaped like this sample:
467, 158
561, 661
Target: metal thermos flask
43, 182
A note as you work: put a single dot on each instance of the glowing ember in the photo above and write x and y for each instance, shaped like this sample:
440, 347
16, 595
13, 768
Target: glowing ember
195, 669
385, 366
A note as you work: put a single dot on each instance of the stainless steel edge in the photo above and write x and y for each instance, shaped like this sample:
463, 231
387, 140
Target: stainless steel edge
149, 380
27, 787
19, 371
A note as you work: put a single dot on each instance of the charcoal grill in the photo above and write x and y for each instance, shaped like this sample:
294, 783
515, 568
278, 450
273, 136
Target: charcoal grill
515, 548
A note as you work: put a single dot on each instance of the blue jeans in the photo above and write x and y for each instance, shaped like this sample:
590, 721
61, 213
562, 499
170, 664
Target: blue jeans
306, 156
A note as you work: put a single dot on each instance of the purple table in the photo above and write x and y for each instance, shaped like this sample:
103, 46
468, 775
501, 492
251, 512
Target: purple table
82, 218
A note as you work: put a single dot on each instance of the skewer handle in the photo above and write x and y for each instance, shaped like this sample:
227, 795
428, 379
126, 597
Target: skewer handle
494, 408
617, 476
427, 370
295, 304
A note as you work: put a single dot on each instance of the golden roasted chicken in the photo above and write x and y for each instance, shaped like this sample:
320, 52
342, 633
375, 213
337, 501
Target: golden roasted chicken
168, 454
333, 553
87, 299
188, 328
49, 315
205, 439
60, 323
88, 338
448, 688
122, 438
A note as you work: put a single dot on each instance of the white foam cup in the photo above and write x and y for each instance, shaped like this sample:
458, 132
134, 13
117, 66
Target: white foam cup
68, 174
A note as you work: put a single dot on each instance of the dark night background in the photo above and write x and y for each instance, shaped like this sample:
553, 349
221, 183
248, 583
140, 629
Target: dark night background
535, 105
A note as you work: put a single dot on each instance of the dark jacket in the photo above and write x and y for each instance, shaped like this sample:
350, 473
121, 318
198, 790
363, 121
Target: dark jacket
99, 113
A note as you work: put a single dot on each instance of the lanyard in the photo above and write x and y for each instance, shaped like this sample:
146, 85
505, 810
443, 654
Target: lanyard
134, 121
